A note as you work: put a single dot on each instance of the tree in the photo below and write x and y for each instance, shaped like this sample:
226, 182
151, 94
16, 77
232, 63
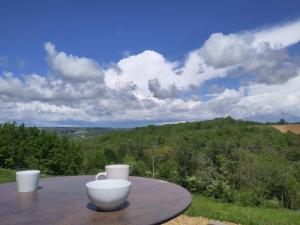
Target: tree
282, 121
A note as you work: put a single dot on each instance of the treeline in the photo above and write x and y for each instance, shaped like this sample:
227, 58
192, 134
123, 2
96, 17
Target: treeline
31, 148
234, 161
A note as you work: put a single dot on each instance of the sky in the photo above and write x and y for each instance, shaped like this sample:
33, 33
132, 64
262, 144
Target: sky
134, 63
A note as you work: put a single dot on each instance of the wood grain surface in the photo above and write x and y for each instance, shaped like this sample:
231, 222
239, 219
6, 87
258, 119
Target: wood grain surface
63, 201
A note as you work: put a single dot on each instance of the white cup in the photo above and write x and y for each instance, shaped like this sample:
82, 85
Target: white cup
120, 172
27, 180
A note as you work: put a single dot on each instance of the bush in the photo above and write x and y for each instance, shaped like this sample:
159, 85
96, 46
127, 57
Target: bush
271, 203
192, 183
247, 198
219, 190
168, 171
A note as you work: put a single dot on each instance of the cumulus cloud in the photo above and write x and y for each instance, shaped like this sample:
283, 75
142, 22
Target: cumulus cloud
226, 50
72, 67
158, 92
260, 54
148, 86
272, 66
139, 69
279, 36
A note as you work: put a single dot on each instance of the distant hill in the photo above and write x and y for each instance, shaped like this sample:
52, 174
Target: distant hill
294, 128
79, 132
245, 162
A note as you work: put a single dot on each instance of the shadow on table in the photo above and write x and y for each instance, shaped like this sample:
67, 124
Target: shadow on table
92, 207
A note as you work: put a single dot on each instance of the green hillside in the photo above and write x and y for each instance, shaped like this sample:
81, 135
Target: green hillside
234, 161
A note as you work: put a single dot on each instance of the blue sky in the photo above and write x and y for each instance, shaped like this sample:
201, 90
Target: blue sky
103, 30
100, 38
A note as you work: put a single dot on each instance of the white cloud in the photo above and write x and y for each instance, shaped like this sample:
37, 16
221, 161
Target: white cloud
158, 92
222, 50
147, 86
272, 66
139, 69
260, 100
226, 50
10, 86
279, 36
259, 54
72, 67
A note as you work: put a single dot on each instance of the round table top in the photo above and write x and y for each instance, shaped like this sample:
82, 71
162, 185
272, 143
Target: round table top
63, 201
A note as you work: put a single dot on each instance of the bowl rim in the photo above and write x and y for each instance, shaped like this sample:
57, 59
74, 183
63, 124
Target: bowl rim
125, 183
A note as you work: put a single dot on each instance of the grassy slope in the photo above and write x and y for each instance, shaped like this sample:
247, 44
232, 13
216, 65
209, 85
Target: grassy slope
205, 207
7, 175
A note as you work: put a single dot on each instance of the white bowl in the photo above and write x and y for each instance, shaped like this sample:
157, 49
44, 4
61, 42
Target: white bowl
108, 194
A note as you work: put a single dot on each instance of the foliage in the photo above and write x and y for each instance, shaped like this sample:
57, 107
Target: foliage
282, 121
31, 148
226, 159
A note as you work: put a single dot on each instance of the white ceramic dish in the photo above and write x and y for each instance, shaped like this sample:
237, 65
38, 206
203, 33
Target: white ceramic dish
108, 194
117, 171
27, 180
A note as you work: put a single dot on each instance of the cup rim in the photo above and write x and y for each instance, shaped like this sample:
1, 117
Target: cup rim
96, 184
119, 166
27, 172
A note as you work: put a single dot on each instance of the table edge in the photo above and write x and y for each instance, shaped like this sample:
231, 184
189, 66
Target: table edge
179, 213
87, 175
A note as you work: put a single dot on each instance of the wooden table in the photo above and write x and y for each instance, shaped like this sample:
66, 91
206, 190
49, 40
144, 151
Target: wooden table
63, 201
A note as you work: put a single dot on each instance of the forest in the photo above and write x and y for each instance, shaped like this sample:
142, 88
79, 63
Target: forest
241, 162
